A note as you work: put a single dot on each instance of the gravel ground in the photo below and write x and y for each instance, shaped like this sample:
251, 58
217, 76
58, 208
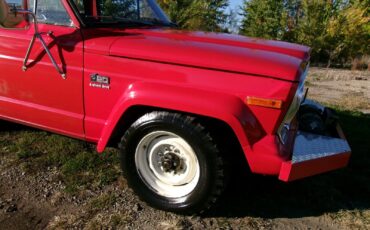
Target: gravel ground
38, 195
347, 89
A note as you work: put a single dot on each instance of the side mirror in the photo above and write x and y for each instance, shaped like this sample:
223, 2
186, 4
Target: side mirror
13, 14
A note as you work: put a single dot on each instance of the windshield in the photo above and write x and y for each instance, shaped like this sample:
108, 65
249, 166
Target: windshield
138, 12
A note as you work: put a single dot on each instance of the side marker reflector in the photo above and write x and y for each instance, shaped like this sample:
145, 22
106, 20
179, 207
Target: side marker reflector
269, 103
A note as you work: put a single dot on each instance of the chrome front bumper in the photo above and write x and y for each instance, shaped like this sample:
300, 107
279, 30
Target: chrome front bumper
314, 154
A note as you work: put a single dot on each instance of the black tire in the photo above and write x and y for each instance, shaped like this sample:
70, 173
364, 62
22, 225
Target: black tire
211, 180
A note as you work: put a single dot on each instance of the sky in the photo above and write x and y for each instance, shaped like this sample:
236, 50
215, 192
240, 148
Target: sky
235, 3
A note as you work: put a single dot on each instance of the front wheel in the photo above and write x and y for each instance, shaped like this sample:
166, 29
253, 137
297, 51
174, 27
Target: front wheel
171, 162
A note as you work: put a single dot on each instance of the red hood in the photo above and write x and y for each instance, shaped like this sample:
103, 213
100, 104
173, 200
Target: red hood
222, 52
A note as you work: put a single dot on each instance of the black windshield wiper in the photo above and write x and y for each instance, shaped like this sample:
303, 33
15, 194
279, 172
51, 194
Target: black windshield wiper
112, 21
134, 22
157, 22
128, 21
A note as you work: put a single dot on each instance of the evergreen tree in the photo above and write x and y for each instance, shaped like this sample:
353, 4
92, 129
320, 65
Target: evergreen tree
337, 30
231, 24
263, 18
312, 26
207, 15
350, 31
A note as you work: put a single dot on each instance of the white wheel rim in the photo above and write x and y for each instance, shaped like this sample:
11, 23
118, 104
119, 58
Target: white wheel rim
167, 164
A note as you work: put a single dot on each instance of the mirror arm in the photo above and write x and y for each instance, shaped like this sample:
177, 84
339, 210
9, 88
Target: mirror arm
37, 35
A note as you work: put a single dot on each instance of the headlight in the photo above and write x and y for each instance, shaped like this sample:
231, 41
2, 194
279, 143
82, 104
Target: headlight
293, 109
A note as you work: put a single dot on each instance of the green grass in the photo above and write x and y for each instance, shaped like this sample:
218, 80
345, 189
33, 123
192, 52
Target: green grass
309, 83
342, 195
79, 164
103, 201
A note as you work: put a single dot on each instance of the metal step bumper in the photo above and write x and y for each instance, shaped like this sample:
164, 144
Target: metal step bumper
314, 154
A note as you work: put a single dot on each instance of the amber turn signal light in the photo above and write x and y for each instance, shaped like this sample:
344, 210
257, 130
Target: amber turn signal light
269, 103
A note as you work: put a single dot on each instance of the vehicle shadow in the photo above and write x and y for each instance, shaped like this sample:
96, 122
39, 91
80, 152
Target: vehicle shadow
6, 126
345, 189
266, 197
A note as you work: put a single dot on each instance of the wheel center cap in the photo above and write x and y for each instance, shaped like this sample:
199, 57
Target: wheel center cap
170, 162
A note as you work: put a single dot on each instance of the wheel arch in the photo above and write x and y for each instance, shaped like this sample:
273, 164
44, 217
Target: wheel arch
219, 129
224, 111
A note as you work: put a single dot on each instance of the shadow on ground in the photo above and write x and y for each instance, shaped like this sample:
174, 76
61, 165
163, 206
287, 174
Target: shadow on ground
11, 127
345, 189
266, 197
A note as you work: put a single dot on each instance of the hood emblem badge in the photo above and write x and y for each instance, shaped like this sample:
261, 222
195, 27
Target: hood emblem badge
98, 81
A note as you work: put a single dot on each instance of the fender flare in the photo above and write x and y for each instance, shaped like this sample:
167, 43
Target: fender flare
227, 108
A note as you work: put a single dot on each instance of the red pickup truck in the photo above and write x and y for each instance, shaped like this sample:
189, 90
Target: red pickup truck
181, 106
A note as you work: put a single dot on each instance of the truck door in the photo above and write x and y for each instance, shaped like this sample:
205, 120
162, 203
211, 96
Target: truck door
39, 96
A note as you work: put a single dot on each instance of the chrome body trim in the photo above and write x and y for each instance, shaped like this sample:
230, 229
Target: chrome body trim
293, 109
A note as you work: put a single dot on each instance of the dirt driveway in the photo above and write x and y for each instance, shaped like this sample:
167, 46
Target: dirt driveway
49, 181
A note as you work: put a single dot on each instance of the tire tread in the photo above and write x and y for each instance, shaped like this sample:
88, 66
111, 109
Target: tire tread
190, 123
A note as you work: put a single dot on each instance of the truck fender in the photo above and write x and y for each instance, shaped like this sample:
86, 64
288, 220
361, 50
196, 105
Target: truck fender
227, 108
